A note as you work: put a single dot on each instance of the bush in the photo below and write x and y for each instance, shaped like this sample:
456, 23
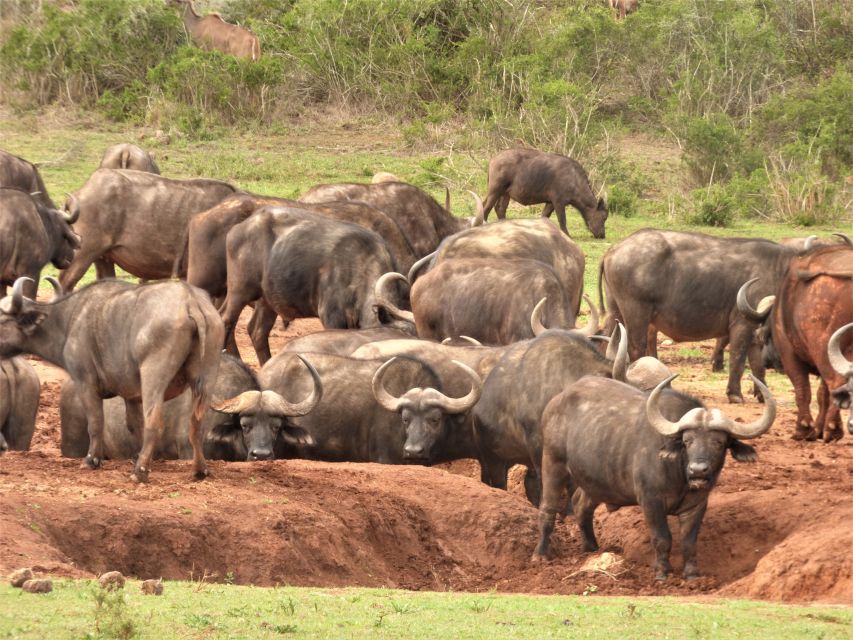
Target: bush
621, 201
713, 207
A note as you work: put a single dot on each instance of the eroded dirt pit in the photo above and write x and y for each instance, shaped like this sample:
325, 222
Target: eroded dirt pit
779, 530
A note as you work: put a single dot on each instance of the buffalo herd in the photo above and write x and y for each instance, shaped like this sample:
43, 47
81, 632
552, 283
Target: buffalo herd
444, 337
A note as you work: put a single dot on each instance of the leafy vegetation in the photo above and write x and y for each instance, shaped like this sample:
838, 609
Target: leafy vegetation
227, 611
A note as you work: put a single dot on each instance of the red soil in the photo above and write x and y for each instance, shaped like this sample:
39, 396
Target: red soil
777, 530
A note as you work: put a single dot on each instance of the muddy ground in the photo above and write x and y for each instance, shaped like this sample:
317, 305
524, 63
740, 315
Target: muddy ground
778, 530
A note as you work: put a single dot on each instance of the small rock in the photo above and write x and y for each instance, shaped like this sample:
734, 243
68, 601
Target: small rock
152, 587
19, 577
41, 585
111, 580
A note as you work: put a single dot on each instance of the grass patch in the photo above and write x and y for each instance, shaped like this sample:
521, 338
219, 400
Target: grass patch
74, 610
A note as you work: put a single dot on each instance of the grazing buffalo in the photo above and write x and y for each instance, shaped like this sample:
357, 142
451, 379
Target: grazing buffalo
424, 222
136, 220
145, 343
813, 301
843, 395
533, 177
304, 265
350, 423
685, 285
607, 442
517, 240
32, 235
19, 403
128, 156
21, 174
211, 32
487, 299
222, 435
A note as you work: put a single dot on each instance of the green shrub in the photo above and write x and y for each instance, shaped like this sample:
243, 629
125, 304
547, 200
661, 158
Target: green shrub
621, 201
713, 207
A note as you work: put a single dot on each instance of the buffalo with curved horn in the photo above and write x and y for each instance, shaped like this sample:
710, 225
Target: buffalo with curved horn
843, 395
607, 442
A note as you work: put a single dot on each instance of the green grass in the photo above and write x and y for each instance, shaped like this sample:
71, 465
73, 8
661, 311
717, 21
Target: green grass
221, 611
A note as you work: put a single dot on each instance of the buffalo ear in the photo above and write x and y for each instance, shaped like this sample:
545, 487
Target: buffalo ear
742, 452
296, 436
29, 321
225, 442
672, 449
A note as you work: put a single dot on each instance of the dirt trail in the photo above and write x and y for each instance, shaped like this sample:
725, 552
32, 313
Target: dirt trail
778, 530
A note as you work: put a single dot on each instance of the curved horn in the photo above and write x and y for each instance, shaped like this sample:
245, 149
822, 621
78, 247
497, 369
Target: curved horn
385, 399
460, 405
385, 302
760, 426
279, 405
478, 211
536, 318
447, 199
809, 243
57, 288
74, 212
844, 238
413, 271
653, 414
842, 365
620, 362
591, 327
745, 308
238, 404
473, 341
17, 301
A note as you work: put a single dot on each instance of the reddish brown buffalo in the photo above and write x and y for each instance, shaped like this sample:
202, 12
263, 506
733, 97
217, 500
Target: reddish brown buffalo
814, 300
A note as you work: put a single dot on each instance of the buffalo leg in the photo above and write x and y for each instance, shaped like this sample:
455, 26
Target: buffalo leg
717, 359
104, 269
501, 206
83, 259
260, 325
690, 522
740, 339
493, 471
533, 485
756, 365
95, 415
560, 210
584, 507
652, 341
829, 415
199, 464
491, 200
547, 210
555, 476
799, 377
230, 314
661, 537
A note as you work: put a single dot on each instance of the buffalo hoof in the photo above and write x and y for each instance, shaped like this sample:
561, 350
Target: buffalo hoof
735, 398
662, 574
91, 462
717, 367
805, 433
831, 435
691, 572
539, 559
140, 474
590, 547
200, 474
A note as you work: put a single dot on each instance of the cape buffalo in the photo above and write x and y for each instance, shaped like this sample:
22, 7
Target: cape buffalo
424, 222
487, 299
145, 343
21, 174
136, 220
686, 284
843, 395
19, 401
223, 438
31, 236
607, 442
814, 300
516, 240
128, 156
533, 177
304, 265
211, 32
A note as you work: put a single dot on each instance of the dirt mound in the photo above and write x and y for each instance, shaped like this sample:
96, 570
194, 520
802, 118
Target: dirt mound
779, 529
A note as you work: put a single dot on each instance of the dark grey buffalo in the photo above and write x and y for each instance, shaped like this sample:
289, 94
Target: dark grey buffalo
843, 395
664, 451
686, 285
19, 402
145, 343
136, 220
489, 300
516, 240
31, 236
21, 174
533, 177
128, 156
304, 265
223, 438
424, 222
367, 416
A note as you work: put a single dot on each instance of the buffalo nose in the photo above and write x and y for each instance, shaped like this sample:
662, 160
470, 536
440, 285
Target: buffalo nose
698, 468
260, 454
414, 451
